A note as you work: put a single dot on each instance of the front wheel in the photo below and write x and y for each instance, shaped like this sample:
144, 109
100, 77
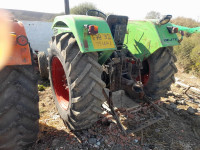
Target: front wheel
76, 82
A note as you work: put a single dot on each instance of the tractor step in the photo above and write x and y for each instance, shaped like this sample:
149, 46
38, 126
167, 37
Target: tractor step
132, 116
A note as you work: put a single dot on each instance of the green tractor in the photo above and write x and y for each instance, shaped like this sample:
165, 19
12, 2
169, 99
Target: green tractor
89, 53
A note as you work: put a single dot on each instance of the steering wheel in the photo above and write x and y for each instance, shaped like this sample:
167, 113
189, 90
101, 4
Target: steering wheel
88, 13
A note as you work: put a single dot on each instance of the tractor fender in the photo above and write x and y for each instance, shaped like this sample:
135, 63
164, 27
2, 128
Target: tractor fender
76, 24
146, 37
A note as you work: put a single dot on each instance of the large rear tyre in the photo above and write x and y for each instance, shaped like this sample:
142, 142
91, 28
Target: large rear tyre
76, 82
158, 73
19, 113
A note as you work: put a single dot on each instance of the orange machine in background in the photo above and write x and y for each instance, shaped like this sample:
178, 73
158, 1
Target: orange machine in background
19, 112
20, 46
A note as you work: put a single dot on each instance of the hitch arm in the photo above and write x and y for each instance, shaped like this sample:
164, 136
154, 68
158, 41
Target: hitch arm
113, 113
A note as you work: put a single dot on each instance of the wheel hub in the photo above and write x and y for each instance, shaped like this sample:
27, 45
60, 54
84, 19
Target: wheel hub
60, 83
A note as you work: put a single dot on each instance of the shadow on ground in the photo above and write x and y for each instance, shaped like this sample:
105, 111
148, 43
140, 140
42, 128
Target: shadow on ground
49, 138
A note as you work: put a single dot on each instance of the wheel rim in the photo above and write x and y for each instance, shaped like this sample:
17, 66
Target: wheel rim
145, 72
60, 83
145, 79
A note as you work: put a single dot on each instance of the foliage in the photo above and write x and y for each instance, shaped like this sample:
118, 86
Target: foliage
153, 15
82, 8
187, 22
195, 57
41, 87
188, 52
182, 53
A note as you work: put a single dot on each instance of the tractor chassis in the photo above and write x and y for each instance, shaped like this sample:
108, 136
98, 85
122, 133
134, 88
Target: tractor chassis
121, 79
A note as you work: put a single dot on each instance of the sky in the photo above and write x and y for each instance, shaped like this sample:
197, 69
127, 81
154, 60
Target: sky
134, 9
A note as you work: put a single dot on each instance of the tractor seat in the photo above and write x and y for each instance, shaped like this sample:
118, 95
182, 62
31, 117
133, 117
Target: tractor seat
118, 25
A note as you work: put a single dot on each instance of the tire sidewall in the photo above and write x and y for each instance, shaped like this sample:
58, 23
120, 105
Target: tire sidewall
152, 67
55, 52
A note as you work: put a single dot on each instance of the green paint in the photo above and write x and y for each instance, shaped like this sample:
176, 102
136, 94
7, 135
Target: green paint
186, 29
142, 39
145, 37
75, 24
104, 56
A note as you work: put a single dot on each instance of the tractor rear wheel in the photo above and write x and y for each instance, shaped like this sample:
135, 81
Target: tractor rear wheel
19, 113
76, 83
158, 73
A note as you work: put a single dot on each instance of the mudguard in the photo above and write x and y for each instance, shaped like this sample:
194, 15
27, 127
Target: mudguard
76, 24
145, 37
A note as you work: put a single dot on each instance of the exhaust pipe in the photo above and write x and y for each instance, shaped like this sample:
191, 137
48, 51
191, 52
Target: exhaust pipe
67, 10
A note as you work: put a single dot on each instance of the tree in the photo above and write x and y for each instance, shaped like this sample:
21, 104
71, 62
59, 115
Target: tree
82, 8
153, 15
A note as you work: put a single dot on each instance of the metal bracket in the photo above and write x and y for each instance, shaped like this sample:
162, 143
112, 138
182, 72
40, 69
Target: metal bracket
112, 112
117, 81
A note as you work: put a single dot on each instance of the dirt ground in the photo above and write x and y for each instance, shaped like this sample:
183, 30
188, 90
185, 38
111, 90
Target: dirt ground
179, 131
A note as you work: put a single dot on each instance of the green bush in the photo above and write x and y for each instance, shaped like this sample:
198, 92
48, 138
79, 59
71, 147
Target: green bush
41, 87
153, 15
82, 8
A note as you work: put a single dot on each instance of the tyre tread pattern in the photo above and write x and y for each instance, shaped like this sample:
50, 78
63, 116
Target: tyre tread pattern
84, 75
19, 113
162, 70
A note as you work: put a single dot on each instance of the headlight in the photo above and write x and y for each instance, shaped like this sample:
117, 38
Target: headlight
165, 19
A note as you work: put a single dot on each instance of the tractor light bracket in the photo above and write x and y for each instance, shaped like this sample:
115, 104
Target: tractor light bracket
92, 29
172, 29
